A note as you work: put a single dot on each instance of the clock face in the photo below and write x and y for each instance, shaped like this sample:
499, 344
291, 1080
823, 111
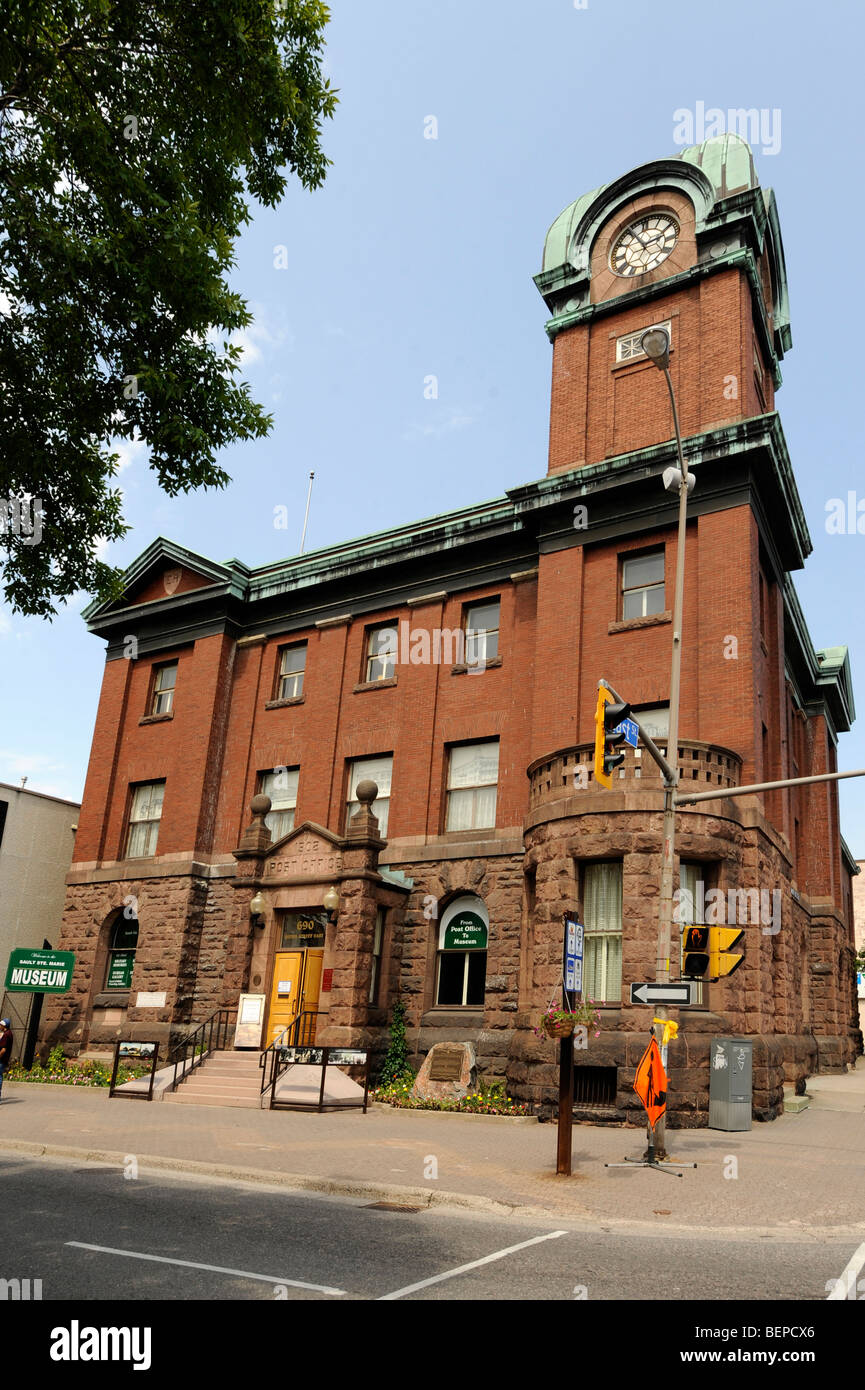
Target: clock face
644, 244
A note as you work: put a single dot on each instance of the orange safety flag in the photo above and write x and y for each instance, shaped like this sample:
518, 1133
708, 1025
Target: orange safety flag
650, 1082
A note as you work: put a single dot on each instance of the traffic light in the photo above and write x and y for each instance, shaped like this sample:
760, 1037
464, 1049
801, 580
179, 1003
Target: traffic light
706, 954
608, 716
721, 961
695, 952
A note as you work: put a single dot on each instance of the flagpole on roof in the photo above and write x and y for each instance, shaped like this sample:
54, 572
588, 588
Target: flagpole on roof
306, 517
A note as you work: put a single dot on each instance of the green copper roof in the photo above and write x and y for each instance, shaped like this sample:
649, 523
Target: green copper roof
725, 160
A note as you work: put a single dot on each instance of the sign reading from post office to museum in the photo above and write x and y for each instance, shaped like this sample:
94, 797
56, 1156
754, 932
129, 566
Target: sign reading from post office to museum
467, 931
45, 972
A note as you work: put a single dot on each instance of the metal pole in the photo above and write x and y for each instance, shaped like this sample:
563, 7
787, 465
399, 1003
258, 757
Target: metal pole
564, 1146
306, 516
690, 797
657, 1138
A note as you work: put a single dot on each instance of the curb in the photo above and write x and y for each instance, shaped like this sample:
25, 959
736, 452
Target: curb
410, 1196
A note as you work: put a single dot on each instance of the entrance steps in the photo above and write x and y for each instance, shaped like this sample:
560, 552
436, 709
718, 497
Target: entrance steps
224, 1078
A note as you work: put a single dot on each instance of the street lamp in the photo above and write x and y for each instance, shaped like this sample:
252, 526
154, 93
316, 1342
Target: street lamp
257, 909
655, 343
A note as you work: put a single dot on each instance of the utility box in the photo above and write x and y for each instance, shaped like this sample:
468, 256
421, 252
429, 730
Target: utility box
731, 1083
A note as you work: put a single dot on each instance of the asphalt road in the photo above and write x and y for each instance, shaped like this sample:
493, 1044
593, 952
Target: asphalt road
162, 1236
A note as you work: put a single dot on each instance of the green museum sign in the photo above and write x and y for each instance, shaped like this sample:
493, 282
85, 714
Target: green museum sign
46, 972
467, 931
120, 970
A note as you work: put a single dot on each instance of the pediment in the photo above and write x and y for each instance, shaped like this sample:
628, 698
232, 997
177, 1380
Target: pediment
308, 851
165, 571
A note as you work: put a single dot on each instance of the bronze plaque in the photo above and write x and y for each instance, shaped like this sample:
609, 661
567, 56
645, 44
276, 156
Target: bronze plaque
446, 1066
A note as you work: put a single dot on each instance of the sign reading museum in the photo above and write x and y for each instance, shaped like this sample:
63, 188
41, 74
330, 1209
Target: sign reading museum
46, 972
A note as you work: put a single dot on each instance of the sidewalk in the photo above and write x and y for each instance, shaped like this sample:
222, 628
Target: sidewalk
800, 1173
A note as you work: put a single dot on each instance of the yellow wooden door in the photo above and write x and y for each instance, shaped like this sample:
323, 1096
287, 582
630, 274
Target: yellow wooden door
285, 995
311, 990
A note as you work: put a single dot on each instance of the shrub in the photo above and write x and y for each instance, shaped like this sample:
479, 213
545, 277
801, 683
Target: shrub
396, 1064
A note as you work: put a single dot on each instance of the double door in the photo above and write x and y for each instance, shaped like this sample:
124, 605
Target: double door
295, 991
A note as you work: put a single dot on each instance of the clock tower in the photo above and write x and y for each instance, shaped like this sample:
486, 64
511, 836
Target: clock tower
692, 242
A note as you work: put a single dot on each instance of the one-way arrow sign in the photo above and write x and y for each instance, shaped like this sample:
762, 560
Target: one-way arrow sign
677, 992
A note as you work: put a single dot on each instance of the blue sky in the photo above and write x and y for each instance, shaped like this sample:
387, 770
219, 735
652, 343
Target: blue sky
417, 258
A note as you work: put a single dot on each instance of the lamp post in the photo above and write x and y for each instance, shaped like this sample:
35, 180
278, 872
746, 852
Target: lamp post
655, 342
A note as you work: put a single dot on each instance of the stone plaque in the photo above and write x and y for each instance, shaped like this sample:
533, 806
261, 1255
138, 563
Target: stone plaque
446, 1064
448, 1072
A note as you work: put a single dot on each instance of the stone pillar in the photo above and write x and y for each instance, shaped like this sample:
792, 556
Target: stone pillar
241, 943
350, 939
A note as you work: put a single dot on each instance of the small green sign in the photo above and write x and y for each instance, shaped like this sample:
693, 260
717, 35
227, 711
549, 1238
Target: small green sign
120, 969
45, 972
466, 932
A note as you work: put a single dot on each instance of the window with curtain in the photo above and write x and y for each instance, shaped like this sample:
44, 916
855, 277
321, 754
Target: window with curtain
473, 774
380, 771
691, 905
602, 913
144, 817
281, 786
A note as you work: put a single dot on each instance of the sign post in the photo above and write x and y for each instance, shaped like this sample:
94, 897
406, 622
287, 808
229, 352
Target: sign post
572, 983
650, 1084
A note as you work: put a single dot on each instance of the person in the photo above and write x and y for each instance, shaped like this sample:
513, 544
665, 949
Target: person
5, 1048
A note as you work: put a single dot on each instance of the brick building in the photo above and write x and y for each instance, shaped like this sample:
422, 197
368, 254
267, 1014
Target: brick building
317, 683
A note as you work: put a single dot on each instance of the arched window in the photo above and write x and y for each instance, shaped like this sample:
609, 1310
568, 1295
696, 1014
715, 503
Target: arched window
122, 946
461, 965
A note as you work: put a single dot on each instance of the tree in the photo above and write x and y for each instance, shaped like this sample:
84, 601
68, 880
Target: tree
133, 134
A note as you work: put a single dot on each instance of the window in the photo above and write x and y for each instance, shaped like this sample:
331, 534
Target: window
380, 771
164, 680
461, 969
643, 585
691, 906
4, 807
482, 632
289, 679
121, 953
602, 910
376, 957
655, 719
473, 774
628, 348
381, 653
281, 786
144, 818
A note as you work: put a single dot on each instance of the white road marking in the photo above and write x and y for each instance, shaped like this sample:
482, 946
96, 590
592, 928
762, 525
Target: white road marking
213, 1269
848, 1278
475, 1264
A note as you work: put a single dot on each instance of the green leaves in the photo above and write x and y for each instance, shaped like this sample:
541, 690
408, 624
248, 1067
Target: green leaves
131, 137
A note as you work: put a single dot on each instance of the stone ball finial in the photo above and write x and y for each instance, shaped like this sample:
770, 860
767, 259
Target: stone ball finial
366, 792
260, 805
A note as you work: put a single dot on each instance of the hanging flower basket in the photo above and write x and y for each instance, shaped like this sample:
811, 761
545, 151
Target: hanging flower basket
560, 1023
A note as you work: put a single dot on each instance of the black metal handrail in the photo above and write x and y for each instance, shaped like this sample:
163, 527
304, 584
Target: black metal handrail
202, 1043
301, 1033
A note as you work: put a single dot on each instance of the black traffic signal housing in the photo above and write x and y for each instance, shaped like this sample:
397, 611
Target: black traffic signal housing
608, 715
695, 953
706, 954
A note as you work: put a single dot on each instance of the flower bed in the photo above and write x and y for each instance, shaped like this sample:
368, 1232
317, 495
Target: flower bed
487, 1100
59, 1071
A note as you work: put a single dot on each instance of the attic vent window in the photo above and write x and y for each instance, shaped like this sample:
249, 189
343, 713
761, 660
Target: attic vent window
628, 348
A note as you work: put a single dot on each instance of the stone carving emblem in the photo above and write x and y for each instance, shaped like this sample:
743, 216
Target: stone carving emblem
171, 579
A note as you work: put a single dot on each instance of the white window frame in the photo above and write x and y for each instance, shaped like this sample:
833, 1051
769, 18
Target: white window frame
629, 590
602, 939
290, 679
456, 789
385, 656
628, 347
145, 810
482, 643
160, 692
281, 786
370, 769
